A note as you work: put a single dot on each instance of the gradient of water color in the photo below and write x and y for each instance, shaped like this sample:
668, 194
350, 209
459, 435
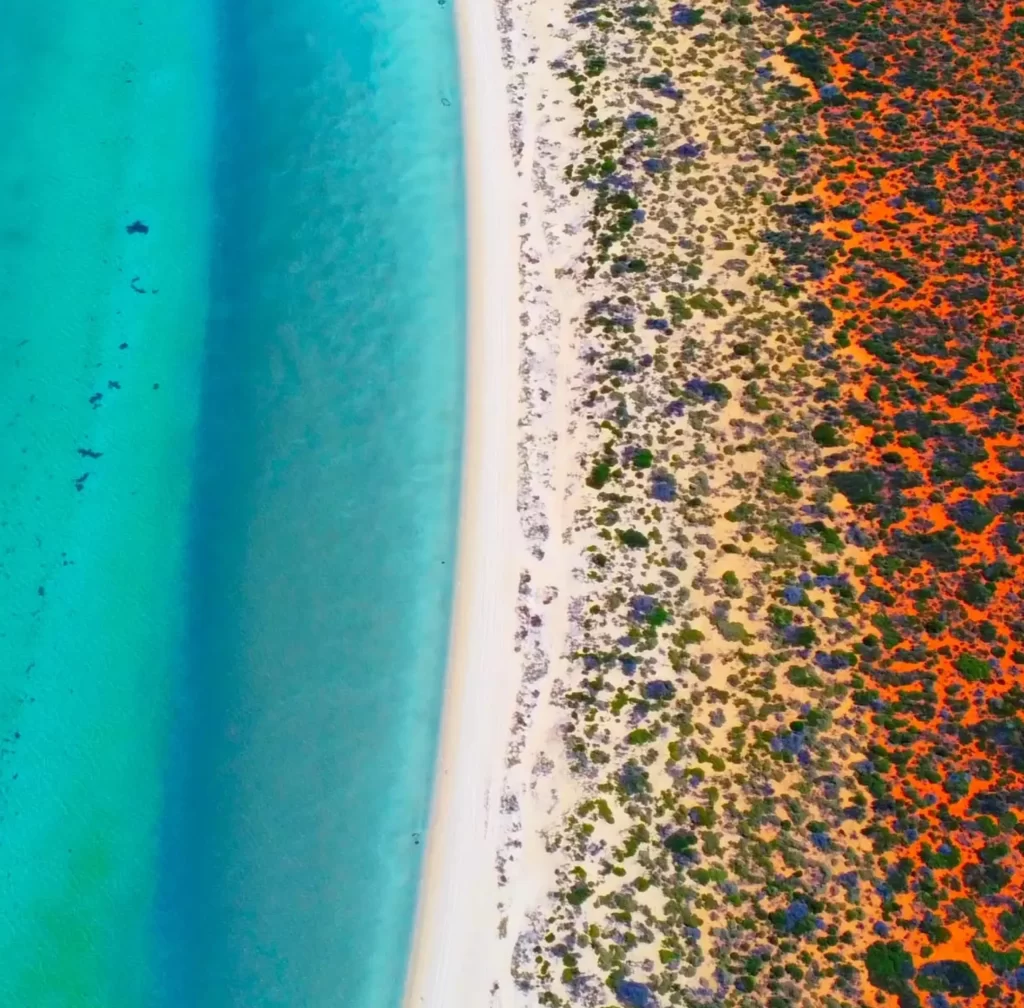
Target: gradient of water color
225, 581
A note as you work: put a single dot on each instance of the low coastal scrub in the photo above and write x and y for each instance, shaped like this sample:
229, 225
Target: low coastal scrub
795, 701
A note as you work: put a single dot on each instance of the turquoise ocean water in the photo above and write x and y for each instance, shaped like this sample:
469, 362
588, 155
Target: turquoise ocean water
228, 493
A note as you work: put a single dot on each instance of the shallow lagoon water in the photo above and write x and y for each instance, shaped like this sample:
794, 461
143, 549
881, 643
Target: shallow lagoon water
224, 646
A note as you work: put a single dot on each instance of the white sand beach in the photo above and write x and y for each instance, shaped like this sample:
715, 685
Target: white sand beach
454, 897
486, 869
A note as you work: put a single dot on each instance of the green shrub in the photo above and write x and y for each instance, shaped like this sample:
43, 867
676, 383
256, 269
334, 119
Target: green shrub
858, 486
578, 894
639, 736
889, 966
633, 539
951, 976
599, 475
825, 435
973, 669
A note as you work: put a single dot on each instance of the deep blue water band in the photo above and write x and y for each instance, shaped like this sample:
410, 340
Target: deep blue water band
325, 498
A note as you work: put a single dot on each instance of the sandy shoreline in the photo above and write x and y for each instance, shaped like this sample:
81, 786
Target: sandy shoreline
502, 780
458, 879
